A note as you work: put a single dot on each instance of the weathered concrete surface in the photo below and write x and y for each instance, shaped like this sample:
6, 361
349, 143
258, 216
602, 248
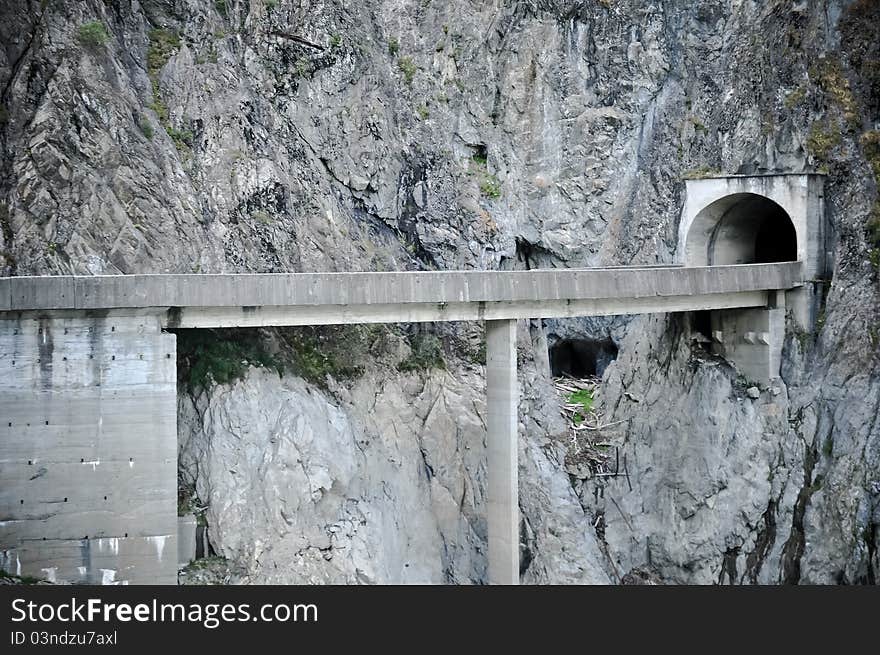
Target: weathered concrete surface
752, 339
88, 435
328, 298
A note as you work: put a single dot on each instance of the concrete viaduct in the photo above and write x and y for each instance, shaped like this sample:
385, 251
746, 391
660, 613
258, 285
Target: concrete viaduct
88, 383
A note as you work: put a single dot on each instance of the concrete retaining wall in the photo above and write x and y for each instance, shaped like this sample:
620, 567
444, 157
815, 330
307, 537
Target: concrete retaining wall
89, 450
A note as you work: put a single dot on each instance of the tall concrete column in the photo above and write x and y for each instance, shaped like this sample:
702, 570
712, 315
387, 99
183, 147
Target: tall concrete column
502, 397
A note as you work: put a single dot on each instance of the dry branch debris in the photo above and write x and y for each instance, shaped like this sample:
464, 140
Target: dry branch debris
592, 444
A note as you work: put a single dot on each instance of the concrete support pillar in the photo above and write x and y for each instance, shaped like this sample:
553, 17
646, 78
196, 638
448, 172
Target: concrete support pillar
88, 431
502, 396
805, 303
752, 338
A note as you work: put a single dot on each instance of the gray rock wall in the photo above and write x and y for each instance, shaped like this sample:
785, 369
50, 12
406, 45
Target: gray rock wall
299, 135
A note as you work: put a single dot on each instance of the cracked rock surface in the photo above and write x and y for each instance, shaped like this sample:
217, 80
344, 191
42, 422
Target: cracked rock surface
383, 482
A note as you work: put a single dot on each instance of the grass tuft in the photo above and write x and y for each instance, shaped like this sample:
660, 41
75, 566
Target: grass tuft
92, 35
584, 398
408, 68
426, 352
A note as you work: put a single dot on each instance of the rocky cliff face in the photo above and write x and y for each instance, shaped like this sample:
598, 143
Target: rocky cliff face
296, 135
379, 480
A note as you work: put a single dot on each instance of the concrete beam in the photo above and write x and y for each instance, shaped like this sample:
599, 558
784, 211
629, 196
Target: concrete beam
50, 292
220, 317
502, 402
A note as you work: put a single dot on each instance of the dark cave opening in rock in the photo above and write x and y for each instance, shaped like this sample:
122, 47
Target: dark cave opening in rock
581, 358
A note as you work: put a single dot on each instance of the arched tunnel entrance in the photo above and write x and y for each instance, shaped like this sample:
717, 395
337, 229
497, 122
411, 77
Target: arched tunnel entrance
742, 228
581, 358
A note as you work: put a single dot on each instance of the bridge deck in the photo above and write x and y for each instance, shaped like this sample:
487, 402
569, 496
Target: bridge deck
225, 300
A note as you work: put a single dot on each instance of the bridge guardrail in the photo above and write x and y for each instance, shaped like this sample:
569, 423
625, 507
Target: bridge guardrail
368, 288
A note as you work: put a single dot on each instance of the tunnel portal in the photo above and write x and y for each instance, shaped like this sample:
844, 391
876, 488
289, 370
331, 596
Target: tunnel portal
754, 219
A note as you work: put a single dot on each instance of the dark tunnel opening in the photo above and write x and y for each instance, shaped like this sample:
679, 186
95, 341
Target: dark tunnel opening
581, 358
752, 229
776, 239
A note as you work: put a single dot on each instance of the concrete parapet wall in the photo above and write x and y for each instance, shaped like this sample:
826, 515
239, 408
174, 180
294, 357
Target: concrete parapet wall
89, 441
314, 289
